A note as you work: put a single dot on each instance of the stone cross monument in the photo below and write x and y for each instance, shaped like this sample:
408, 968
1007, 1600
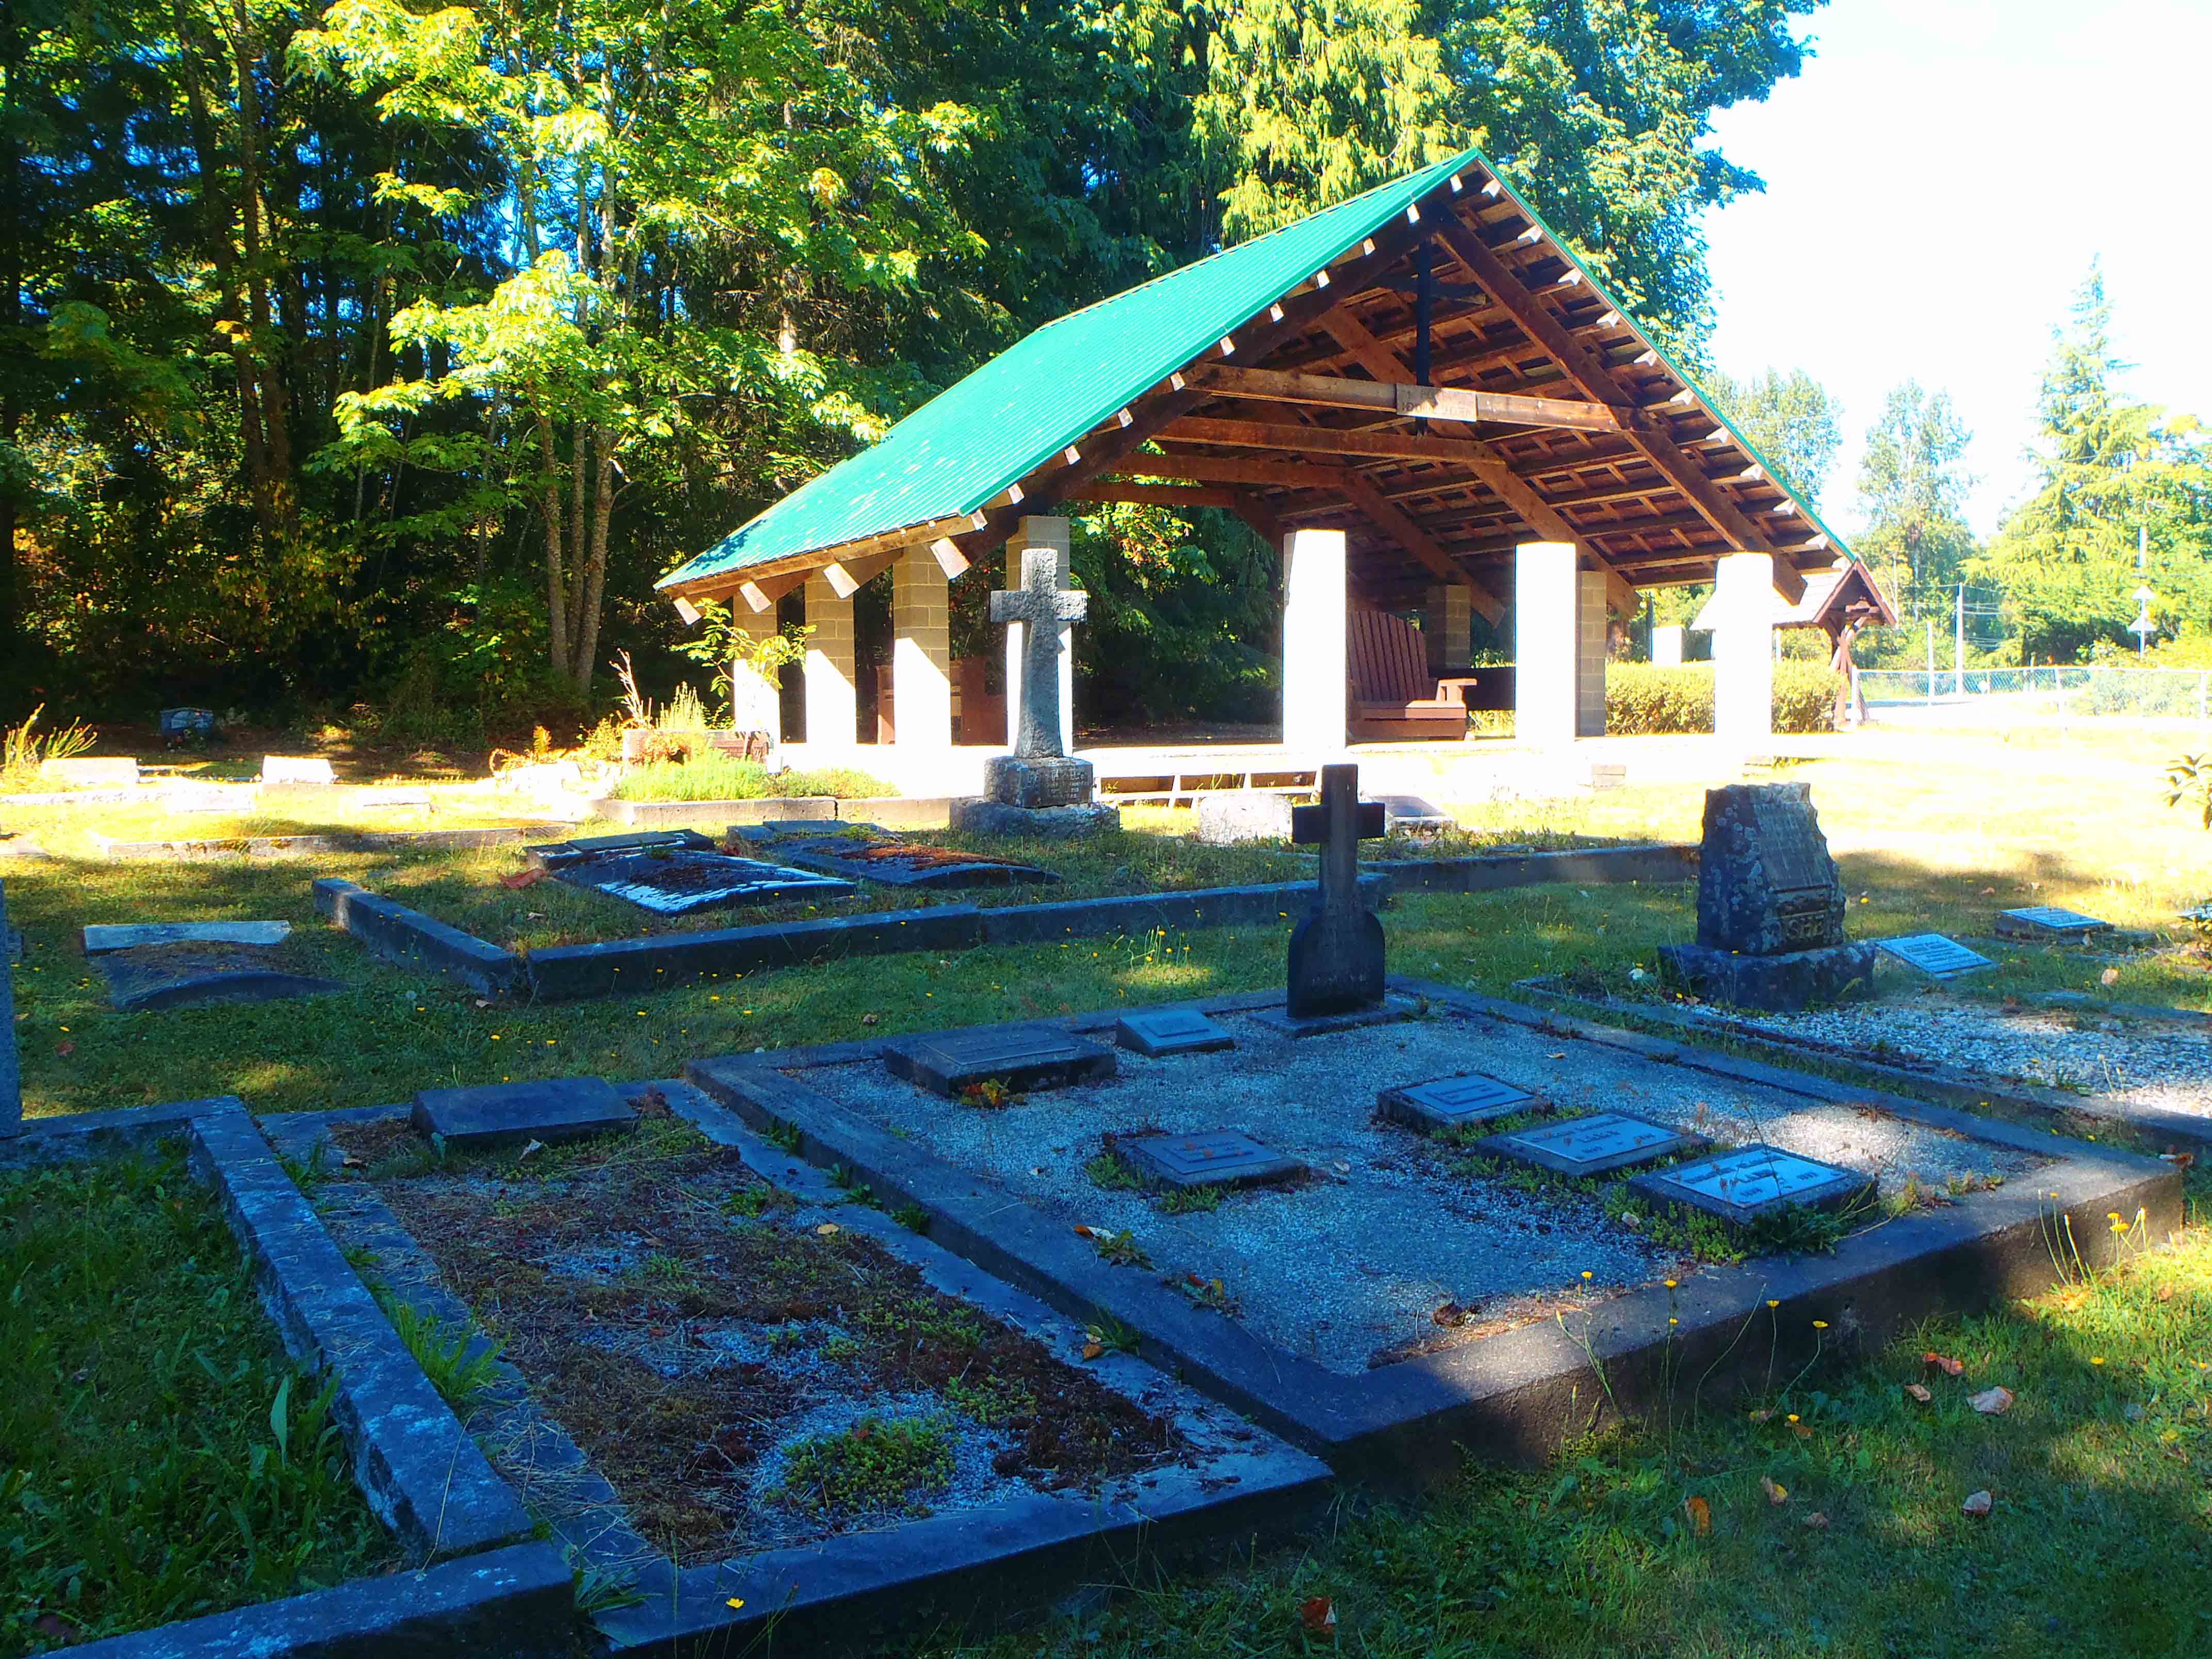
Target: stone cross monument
1336, 952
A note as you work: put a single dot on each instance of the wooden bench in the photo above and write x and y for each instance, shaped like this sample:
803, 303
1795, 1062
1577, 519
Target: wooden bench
1392, 693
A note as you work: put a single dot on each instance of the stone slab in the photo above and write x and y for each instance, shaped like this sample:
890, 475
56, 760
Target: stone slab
1743, 1185
2047, 921
1023, 1057
1580, 1147
630, 966
991, 817
507, 1114
1590, 866
1207, 1158
683, 881
1232, 817
793, 829
149, 977
1934, 955
767, 809
553, 853
1454, 1103
102, 936
1171, 1031
85, 774
296, 769
902, 812
899, 863
1413, 814
1780, 984
1392, 1007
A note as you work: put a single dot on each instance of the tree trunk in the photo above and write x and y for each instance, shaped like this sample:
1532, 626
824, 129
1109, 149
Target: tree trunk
264, 359
595, 578
556, 596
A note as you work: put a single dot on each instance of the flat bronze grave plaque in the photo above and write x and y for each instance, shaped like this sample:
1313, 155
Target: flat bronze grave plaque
1934, 955
1211, 1157
1023, 1057
1451, 1103
1741, 1186
1171, 1031
1590, 1145
2043, 922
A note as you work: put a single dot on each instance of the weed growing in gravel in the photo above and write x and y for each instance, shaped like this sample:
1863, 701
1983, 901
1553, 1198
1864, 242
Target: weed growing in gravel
991, 1400
912, 1217
1115, 1173
875, 1465
458, 1375
1191, 1200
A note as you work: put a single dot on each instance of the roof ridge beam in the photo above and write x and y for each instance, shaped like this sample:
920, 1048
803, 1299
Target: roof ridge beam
1405, 400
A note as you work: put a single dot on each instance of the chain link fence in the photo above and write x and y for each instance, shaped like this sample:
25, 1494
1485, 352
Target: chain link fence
2048, 693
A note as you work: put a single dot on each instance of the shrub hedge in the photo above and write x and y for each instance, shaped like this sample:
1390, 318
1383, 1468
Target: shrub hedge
1641, 699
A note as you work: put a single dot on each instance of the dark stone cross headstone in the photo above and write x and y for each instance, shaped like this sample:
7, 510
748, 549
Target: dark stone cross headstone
1336, 952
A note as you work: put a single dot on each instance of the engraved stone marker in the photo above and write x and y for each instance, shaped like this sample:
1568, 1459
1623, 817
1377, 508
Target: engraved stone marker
1336, 952
558, 1108
1590, 1145
1211, 1158
675, 872
1450, 1103
1741, 1186
1934, 955
1023, 1057
2047, 921
1171, 1031
99, 937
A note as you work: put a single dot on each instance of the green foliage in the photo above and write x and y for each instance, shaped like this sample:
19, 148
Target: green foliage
1789, 419
1641, 698
878, 1465
164, 1459
24, 748
2189, 779
459, 1366
1912, 489
720, 777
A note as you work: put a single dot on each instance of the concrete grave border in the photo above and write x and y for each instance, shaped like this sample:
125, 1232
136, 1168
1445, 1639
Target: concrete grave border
350, 841
1516, 1396
482, 1571
854, 1587
1487, 872
1948, 1084
396, 933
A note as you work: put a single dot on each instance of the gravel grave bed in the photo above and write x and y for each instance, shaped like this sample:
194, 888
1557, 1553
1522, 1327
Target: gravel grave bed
2124, 1059
1352, 1264
744, 1373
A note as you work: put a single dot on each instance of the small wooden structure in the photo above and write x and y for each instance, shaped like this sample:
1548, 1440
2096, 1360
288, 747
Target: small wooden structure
1392, 694
1838, 601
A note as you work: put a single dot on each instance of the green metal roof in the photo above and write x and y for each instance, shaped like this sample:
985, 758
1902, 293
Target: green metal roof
965, 445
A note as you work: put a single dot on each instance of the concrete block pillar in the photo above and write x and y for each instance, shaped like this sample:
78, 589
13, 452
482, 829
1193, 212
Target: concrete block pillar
1448, 626
1313, 641
756, 699
1590, 625
1547, 649
922, 651
833, 698
1666, 645
1051, 535
1743, 650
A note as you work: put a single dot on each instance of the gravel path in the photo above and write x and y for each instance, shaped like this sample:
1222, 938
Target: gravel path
1358, 1259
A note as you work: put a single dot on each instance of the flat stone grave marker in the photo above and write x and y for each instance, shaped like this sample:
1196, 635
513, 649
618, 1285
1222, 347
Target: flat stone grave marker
1934, 955
100, 938
1582, 1147
501, 1114
1452, 1103
1210, 1157
1023, 1057
296, 769
122, 772
2047, 921
1171, 1031
679, 874
1741, 1186
146, 977
550, 853
900, 864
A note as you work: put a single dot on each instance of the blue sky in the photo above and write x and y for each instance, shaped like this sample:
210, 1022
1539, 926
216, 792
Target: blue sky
1937, 182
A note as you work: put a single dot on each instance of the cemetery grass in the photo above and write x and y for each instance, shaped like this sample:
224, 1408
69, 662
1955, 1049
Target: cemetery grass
847, 1389
2099, 1539
159, 1458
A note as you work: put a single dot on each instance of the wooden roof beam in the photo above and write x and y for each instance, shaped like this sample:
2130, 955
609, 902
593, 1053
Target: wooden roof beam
1417, 542
1406, 401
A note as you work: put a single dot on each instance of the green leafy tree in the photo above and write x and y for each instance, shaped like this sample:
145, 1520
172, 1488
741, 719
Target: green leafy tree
2125, 502
1912, 491
1791, 419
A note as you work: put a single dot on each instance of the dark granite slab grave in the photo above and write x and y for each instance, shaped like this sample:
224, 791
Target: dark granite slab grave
1023, 1057
1392, 1007
1743, 1185
1454, 1103
681, 880
506, 1114
2048, 921
148, 977
1171, 1031
1766, 882
1209, 1158
552, 853
1934, 955
1579, 1147
900, 864
1787, 983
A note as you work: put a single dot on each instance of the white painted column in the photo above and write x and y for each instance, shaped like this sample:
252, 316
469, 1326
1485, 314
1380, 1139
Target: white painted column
1666, 645
1051, 534
1743, 650
1448, 628
1591, 622
921, 652
756, 703
1313, 642
1546, 643
833, 700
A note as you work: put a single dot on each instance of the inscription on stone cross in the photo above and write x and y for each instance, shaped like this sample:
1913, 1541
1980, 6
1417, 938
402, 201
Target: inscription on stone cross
1336, 952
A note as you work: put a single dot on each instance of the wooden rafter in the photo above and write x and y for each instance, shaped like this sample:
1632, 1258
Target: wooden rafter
1402, 399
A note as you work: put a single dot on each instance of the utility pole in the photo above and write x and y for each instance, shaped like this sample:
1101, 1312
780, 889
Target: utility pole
1959, 644
1930, 620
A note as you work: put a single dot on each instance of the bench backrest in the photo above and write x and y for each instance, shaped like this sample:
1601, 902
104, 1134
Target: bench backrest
1386, 658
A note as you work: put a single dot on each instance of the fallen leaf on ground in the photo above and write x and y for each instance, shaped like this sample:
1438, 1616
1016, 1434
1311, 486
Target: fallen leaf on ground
1775, 1494
1817, 1521
1761, 1415
1948, 1366
2165, 1292
65, 1049
1451, 1315
2110, 976
1991, 1402
534, 1146
53, 1627
1802, 1431
523, 878
350, 1162
1918, 1393
1318, 1614
1559, 1056
1700, 1513
1978, 1505
867, 1019
1092, 1350
2179, 1160
826, 1229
